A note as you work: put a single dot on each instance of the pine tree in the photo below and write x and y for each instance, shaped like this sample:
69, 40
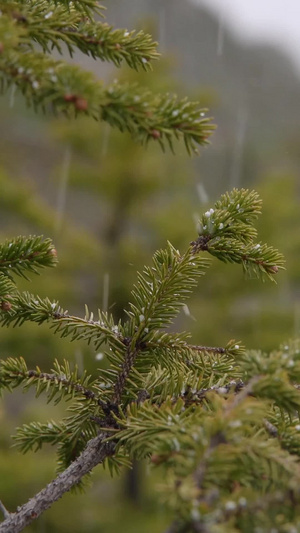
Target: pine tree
222, 422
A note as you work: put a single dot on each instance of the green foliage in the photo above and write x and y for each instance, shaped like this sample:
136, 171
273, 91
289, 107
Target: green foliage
26, 253
52, 24
227, 232
160, 292
50, 84
204, 413
221, 422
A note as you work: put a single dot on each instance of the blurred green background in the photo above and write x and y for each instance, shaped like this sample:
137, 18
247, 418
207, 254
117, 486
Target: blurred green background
109, 204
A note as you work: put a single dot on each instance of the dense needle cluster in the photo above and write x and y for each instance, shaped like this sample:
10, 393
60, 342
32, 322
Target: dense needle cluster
56, 86
222, 422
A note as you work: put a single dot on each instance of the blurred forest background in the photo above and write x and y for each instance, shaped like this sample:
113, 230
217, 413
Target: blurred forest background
109, 204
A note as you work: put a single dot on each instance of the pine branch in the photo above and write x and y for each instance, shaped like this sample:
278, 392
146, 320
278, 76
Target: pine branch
129, 360
227, 232
165, 371
280, 372
27, 307
26, 254
278, 388
218, 438
228, 456
69, 90
212, 416
32, 436
163, 288
100, 331
158, 297
88, 8
183, 404
96, 451
61, 383
50, 25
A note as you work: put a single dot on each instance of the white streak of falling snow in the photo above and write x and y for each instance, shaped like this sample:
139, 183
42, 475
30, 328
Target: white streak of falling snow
237, 157
105, 292
187, 312
203, 196
12, 96
62, 189
220, 38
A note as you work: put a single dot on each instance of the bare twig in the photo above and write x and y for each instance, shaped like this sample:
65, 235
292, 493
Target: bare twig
213, 349
235, 386
271, 429
95, 452
127, 366
193, 347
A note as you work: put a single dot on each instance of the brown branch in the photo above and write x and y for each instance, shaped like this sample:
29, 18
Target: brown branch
129, 361
201, 244
95, 452
271, 429
235, 386
213, 349
55, 378
193, 347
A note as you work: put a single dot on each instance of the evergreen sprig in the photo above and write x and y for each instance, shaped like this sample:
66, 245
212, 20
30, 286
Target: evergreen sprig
32, 436
160, 292
26, 254
211, 416
87, 7
222, 421
60, 383
56, 86
209, 452
226, 231
51, 24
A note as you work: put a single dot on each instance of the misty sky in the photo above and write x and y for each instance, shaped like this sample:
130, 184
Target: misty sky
268, 20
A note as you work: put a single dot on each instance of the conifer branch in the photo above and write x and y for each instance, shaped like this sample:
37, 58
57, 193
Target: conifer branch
96, 451
227, 388
50, 84
100, 331
227, 232
87, 7
28, 307
26, 253
123, 375
165, 378
162, 288
61, 383
212, 416
51, 24
32, 436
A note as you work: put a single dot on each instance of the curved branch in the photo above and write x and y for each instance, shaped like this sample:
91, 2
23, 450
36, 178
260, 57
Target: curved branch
95, 452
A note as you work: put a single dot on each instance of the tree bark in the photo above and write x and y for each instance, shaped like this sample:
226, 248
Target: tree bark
94, 453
